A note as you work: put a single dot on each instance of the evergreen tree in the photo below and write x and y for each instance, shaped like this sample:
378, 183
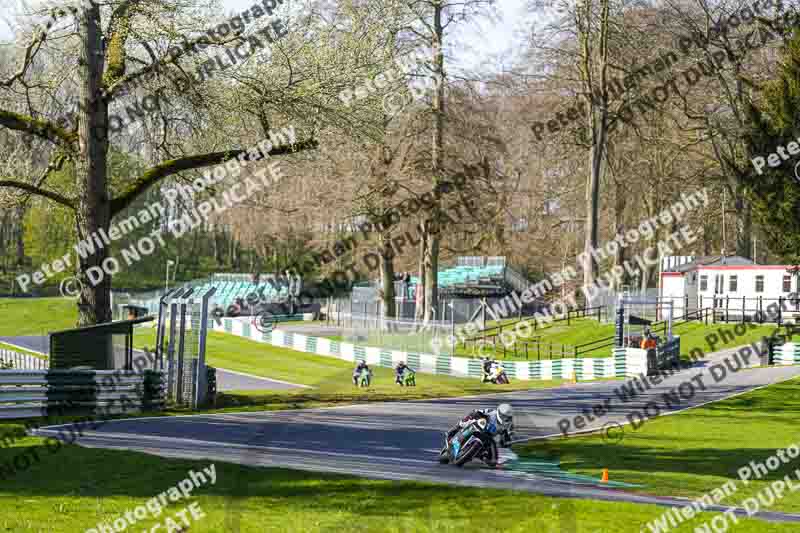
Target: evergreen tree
775, 193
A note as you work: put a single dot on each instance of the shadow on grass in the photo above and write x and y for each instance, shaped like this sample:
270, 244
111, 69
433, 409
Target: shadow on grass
692, 452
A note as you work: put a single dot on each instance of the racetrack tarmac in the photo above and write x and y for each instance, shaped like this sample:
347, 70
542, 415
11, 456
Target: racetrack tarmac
400, 440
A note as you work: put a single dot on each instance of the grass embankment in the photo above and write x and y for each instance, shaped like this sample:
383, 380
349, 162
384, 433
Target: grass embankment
579, 331
691, 453
36, 316
693, 335
75, 488
329, 377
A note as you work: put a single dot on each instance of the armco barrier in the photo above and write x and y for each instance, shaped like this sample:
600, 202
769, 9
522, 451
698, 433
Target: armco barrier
787, 354
26, 393
624, 362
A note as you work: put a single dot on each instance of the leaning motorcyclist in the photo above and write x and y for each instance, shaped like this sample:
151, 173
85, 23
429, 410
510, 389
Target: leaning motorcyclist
362, 365
487, 369
399, 370
499, 422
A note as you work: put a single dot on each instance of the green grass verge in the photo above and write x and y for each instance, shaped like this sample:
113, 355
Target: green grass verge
329, 377
76, 488
36, 316
691, 453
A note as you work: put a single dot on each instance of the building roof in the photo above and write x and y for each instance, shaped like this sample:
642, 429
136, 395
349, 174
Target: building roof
712, 260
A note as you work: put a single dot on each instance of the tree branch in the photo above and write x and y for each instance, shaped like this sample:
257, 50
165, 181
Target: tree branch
168, 168
32, 189
40, 128
56, 164
113, 89
118, 32
30, 53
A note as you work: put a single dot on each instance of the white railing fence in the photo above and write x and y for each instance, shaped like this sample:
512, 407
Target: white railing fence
22, 361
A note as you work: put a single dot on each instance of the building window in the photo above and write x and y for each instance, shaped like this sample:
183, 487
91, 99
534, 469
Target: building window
703, 283
732, 284
787, 283
719, 283
759, 283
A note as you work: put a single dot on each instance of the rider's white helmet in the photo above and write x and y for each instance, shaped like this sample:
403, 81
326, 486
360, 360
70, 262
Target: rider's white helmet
504, 414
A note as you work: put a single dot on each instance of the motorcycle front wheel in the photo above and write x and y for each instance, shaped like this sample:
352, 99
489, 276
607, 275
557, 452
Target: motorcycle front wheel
466, 454
444, 457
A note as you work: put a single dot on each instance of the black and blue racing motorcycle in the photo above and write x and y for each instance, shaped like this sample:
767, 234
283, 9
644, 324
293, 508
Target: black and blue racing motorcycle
470, 442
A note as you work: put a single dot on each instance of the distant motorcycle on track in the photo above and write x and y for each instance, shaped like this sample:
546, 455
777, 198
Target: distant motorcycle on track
496, 374
409, 378
364, 377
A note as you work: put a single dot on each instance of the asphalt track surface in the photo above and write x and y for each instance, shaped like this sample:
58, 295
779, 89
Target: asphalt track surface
401, 440
227, 380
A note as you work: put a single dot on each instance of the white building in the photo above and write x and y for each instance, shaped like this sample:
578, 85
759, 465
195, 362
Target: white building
728, 284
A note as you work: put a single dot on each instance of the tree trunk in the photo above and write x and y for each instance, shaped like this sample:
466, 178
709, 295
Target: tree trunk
653, 203
432, 226
94, 208
431, 260
592, 216
619, 229
387, 281
419, 295
236, 257
219, 241
597, 121
744, 227
19, 235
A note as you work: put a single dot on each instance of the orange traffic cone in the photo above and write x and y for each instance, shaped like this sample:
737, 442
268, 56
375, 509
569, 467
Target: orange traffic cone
604, 479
